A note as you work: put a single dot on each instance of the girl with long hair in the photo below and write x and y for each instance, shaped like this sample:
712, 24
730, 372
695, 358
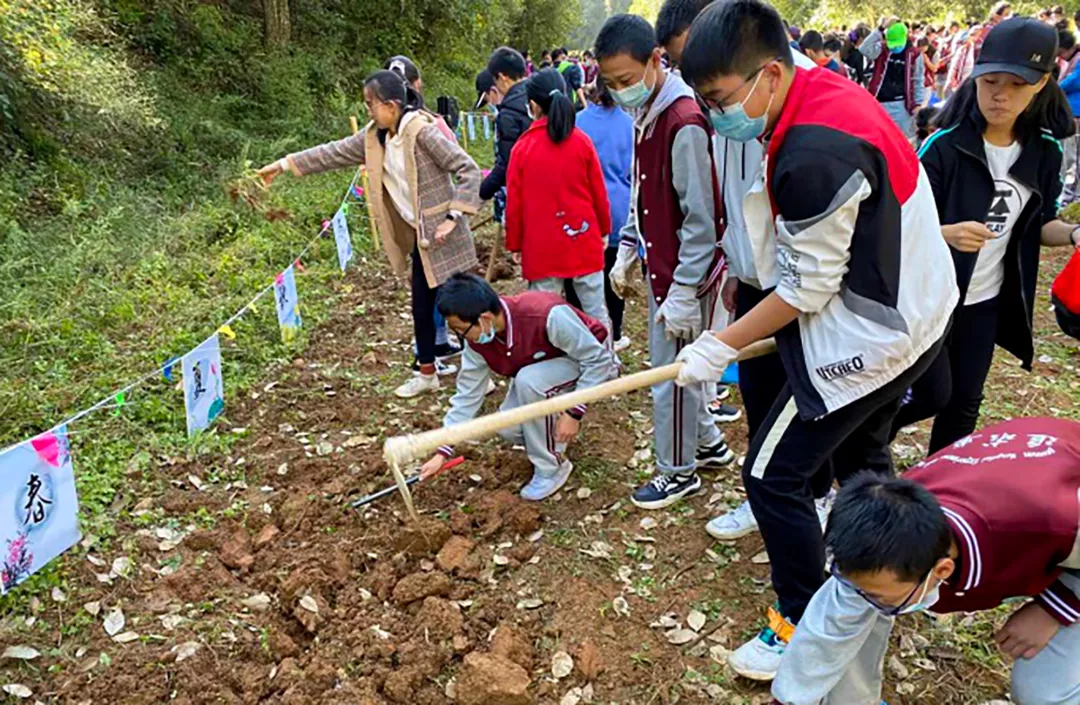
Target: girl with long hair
423, 187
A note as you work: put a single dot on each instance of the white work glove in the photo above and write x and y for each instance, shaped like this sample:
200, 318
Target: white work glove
621, 270
680, 314
704, 360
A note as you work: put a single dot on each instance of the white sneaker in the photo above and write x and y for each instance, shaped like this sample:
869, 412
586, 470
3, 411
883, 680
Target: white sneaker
759, 658
824, 506
735, 524
417, 386
543, 487
621, 344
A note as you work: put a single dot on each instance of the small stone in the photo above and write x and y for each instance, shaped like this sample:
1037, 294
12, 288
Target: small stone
531, 603
258, 602
760, 558
621, 606
17, 690
680, 636
897, 667
186, 650
58, 595
584, 493
648, 523
171, 621
324, 448
266, 535
695, 620
308, 602
125, 637
562, 665
94, 608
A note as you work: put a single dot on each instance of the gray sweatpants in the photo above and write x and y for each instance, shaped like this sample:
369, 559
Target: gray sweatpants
540, 380
681, 419
837, 654
590, 292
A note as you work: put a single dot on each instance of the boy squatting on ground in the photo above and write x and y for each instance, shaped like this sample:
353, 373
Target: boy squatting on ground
990, 517
546, 346
673, 217
842, 225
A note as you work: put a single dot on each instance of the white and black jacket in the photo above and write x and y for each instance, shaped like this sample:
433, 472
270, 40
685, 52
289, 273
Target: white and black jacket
844, 226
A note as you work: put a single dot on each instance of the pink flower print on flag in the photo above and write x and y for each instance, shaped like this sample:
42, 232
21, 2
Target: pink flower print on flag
17, 563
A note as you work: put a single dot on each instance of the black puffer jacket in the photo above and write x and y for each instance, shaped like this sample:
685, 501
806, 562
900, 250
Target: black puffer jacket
510, 123
955, 162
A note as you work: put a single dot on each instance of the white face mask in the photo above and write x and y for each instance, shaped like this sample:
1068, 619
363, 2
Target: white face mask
927, 600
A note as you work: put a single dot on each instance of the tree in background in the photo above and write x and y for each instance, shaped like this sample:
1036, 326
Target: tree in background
277, 28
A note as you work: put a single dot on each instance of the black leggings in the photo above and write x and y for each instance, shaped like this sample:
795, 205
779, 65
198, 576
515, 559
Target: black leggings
423, 310
615, 305
952, 388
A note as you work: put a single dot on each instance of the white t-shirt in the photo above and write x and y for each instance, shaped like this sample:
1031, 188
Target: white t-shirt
395, 177
1010, 197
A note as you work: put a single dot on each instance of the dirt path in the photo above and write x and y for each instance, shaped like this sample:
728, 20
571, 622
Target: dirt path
250, 581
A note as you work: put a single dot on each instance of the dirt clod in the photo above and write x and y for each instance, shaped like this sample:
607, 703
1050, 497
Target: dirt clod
490, 679
268, 534
236, 551
422, 538
512, 644
420, 585
439, 618
454, 552
588, 660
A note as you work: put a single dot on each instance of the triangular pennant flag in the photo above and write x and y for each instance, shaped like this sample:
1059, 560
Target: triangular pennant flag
298, 264
119, 399
227, 331
166, 371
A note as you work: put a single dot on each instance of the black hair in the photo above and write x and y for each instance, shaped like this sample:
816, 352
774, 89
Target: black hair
924, 120
922, 42
675, 17
587, 54
466, 296
833, 44
955, 24
508, 62
390, 86
600, 94
626, 34
884, 523
560, 51
999, 8
403, 65
548, 90
734, 37
1062, 25
811, 40
1058, 10
545, 52
1049, 109
1066, 40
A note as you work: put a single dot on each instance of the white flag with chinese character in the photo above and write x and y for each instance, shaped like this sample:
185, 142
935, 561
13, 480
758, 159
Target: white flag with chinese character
342, 239
38, 506
204, 388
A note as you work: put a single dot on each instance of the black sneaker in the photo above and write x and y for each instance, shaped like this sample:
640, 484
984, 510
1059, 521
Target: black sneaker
448, 349
716, 456
665, 490
724, 413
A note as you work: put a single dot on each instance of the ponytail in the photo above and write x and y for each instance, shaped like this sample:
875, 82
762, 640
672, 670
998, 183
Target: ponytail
391, 86
548, 90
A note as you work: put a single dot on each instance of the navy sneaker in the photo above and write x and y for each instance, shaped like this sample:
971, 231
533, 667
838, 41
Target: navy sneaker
665, 490
716, 456
724, 413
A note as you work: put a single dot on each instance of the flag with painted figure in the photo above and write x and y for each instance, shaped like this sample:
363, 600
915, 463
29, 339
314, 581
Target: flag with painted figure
287, 301
38, 505
341, 238
204, 387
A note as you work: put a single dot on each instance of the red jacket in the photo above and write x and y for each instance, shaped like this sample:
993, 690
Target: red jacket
1011, 494
557, 213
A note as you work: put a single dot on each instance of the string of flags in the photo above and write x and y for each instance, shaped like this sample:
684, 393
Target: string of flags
469, 125
39, 520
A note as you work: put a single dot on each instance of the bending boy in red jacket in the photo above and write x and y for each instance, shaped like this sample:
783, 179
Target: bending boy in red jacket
993, 516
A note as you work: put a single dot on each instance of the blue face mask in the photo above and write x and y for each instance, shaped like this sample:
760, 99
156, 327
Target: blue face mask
735, 124
485, 338
635, 96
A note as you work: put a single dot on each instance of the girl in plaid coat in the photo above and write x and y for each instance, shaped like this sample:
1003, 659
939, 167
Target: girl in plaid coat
423, 187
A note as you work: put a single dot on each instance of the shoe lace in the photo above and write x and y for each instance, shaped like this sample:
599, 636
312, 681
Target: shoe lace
660, 483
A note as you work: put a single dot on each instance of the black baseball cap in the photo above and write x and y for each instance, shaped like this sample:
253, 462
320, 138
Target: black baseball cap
485, 82
1022, 46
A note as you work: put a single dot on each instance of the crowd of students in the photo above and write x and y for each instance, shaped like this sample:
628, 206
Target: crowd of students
763, 181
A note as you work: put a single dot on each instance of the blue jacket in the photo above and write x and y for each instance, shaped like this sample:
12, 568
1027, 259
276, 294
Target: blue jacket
1071, 85
612, 133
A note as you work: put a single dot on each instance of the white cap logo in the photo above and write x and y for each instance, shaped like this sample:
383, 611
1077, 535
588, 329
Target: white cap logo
1037, 58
